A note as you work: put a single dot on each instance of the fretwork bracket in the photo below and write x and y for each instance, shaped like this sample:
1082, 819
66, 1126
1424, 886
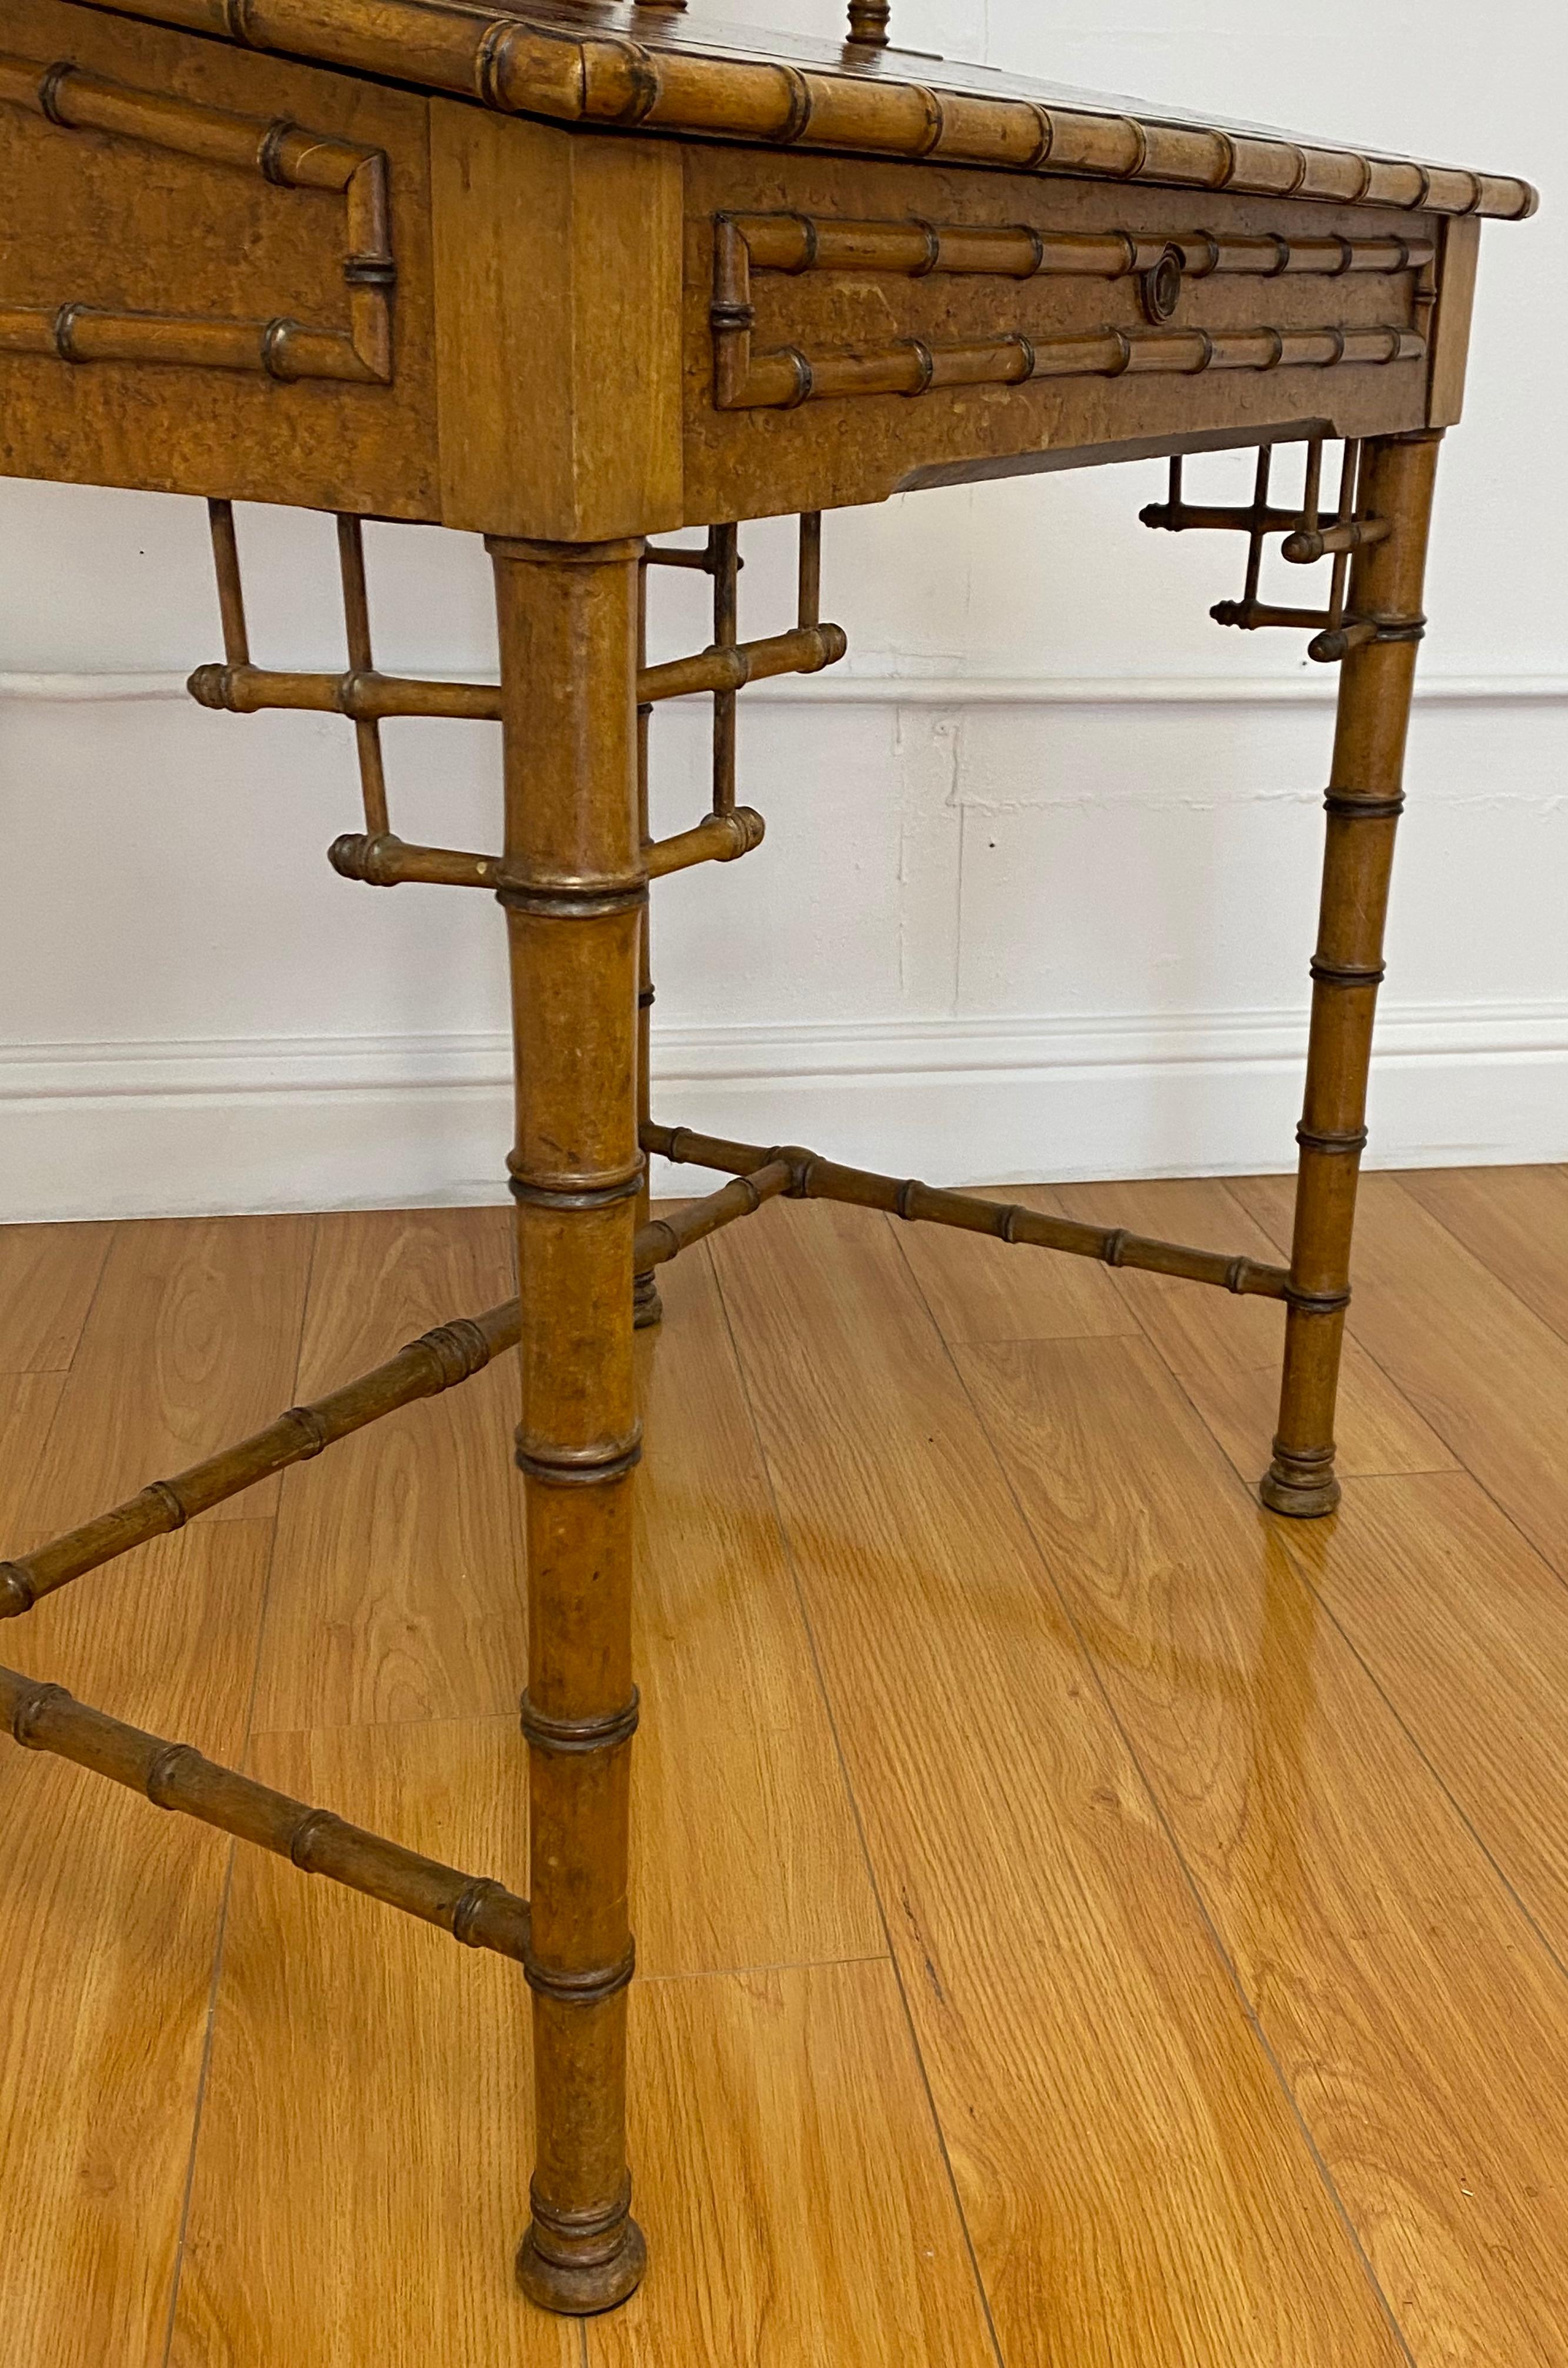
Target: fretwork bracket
1307, 539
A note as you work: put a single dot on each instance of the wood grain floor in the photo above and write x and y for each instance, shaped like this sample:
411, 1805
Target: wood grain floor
1085, 1922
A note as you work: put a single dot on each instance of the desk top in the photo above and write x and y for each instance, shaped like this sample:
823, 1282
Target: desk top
604, 64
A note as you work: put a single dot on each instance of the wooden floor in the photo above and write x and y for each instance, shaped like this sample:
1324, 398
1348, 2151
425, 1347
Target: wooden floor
1085, 1922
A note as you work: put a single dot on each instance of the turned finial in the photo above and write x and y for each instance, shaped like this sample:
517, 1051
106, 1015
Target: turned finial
868, 23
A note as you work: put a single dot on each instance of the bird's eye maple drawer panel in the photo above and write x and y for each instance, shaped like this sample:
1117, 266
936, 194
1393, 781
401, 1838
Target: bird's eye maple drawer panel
214, 269
851, 327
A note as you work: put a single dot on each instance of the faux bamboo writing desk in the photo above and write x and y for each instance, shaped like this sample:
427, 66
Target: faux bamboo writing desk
572, 276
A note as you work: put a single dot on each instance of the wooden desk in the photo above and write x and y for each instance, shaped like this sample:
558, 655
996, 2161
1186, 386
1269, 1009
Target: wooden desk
576, 275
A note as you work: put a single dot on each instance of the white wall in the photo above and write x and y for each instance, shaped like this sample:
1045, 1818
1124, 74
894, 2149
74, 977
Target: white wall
1072, 937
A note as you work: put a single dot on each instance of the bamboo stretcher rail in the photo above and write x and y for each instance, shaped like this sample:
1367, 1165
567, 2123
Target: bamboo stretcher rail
439, 1361
366, 696
479, 1913
823, 1179
384, 860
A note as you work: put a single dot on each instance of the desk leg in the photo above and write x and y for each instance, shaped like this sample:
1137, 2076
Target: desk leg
568, 661
1364, 801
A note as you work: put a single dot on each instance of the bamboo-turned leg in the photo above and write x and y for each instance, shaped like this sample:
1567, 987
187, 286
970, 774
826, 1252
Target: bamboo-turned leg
568, 632
1364, 801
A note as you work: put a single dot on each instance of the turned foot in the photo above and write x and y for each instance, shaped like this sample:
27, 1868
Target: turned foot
1302, 1486
580, 2287
647, 1307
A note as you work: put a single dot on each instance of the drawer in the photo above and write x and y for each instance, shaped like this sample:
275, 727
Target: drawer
214, 270
854, 329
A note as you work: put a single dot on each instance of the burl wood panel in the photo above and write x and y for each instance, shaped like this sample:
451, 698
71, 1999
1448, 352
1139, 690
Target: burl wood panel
865, 447
107, 220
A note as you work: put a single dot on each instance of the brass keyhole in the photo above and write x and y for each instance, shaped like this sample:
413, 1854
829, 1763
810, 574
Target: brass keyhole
1161, 286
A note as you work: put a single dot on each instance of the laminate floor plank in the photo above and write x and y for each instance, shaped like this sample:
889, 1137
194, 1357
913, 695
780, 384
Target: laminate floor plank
1465, 1628
1486, 1373
398, 1587
1226, 1350
112, 1917
1514, 1220
48, 1276
792, 2183
1420, 2022
1135, 2182
191, 1344
746, 1852
978, 1288
362, 2176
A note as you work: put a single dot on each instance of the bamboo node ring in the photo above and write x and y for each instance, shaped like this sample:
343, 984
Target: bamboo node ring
164, 1766
274, 338
811, 242
305, 1835
591, 2220
307, 1425
1347, 807
48, 91
570, 1737
28, 1709
805, 378
370, 271
63, 331
584, 1195
15, 1591
1115, 1245
270, 154
594, 1987
1347, 1145
470, 1907
569, 1467
170, 1503
1314, 1302
1348, 975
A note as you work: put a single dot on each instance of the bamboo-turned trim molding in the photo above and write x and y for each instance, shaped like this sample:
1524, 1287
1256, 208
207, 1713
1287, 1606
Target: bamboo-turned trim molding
521, 66
282, 153
785, 377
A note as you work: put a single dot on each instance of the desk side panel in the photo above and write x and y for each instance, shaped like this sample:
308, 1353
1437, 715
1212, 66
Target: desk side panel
863, 446
134, 231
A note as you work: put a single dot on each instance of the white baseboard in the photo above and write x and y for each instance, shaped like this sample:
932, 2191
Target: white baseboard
147, 1130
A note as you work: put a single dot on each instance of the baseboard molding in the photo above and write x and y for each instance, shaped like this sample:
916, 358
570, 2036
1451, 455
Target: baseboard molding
149, 1130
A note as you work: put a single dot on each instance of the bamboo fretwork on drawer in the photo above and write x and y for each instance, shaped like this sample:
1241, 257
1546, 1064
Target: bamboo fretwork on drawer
587, 281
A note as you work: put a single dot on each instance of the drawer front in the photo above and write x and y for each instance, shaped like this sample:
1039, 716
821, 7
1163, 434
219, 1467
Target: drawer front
214, 270
852, 329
